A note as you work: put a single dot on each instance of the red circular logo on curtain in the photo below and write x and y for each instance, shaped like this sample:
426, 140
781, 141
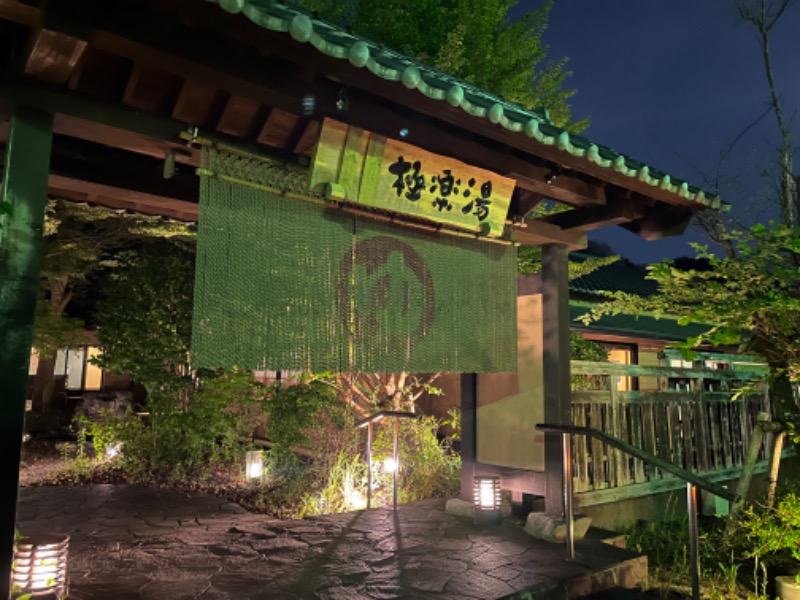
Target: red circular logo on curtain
385, 292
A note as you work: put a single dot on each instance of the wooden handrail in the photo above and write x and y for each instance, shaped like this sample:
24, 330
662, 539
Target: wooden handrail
687, 476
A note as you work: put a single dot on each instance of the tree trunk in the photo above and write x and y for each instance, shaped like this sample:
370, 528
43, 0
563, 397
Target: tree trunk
43, 386
782, 397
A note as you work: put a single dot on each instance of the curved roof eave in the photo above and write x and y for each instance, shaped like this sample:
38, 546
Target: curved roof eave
388, 64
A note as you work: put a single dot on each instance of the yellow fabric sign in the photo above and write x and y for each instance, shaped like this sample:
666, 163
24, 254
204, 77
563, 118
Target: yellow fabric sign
372, 170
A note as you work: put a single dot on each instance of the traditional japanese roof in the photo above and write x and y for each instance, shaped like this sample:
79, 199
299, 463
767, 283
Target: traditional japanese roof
388, 64
644, 326
622, 276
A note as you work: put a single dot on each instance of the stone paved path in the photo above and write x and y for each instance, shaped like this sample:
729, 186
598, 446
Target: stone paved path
132, 542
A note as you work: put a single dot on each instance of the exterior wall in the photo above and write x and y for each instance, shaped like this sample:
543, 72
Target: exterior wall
511, 404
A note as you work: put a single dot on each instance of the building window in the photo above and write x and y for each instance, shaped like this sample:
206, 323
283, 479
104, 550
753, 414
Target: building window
621, 355
80, 375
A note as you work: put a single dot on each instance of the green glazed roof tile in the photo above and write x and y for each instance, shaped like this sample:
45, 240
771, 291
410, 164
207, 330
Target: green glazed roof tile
393, 66
620, 276
645, 326
624, 276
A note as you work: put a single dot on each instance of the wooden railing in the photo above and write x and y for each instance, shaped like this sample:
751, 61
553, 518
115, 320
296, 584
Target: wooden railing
703, 426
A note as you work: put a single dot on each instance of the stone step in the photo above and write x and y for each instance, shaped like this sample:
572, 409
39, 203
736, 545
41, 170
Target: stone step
606, 536
609, 567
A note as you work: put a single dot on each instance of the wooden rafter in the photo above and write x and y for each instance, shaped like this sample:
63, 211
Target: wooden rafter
242, 117
278, 128
52, 56
199, 104
660, 222
20, 12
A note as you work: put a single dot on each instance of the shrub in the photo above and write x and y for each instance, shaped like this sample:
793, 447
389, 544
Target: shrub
187, 436
429, 467
771, 535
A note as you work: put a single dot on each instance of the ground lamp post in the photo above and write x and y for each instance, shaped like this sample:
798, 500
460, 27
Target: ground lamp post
391, 465
40, 566
486, 498
254, 465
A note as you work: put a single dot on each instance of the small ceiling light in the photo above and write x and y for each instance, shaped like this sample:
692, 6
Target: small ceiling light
404, 132
309, 104
342, 101
193, 133
553, 175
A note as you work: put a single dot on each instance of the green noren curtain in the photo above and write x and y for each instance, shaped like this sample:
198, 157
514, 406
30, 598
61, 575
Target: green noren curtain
286, 284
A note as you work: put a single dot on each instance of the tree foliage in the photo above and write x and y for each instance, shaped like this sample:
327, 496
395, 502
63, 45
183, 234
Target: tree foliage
145, 318
79, 240
751, 300
473, 40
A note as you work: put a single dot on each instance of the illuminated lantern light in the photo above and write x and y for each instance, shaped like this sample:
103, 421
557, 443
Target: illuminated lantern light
486, 498
113, 450
40, 566
390, 465
255, 465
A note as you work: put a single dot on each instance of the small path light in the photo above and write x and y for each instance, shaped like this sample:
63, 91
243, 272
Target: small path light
390, 465
40, 566
113, 450
255, 465
486, 497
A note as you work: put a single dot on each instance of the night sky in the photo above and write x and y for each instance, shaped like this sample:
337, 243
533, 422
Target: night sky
672, 83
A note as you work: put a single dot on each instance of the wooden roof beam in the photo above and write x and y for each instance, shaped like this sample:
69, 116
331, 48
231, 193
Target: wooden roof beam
661, 221
617, 212
120, 198
539, 233
20, 12
117, 126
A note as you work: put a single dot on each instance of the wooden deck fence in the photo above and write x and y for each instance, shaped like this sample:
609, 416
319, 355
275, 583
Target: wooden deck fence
693, 419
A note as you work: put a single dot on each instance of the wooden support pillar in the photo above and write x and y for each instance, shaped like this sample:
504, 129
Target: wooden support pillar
557, 400
25, 172
469, 402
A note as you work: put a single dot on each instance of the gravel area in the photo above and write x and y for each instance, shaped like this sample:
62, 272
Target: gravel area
42, 461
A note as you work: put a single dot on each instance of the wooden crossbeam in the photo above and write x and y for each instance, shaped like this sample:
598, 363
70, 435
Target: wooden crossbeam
661, 221
591, 218
119, 198
20, 12
539, 233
